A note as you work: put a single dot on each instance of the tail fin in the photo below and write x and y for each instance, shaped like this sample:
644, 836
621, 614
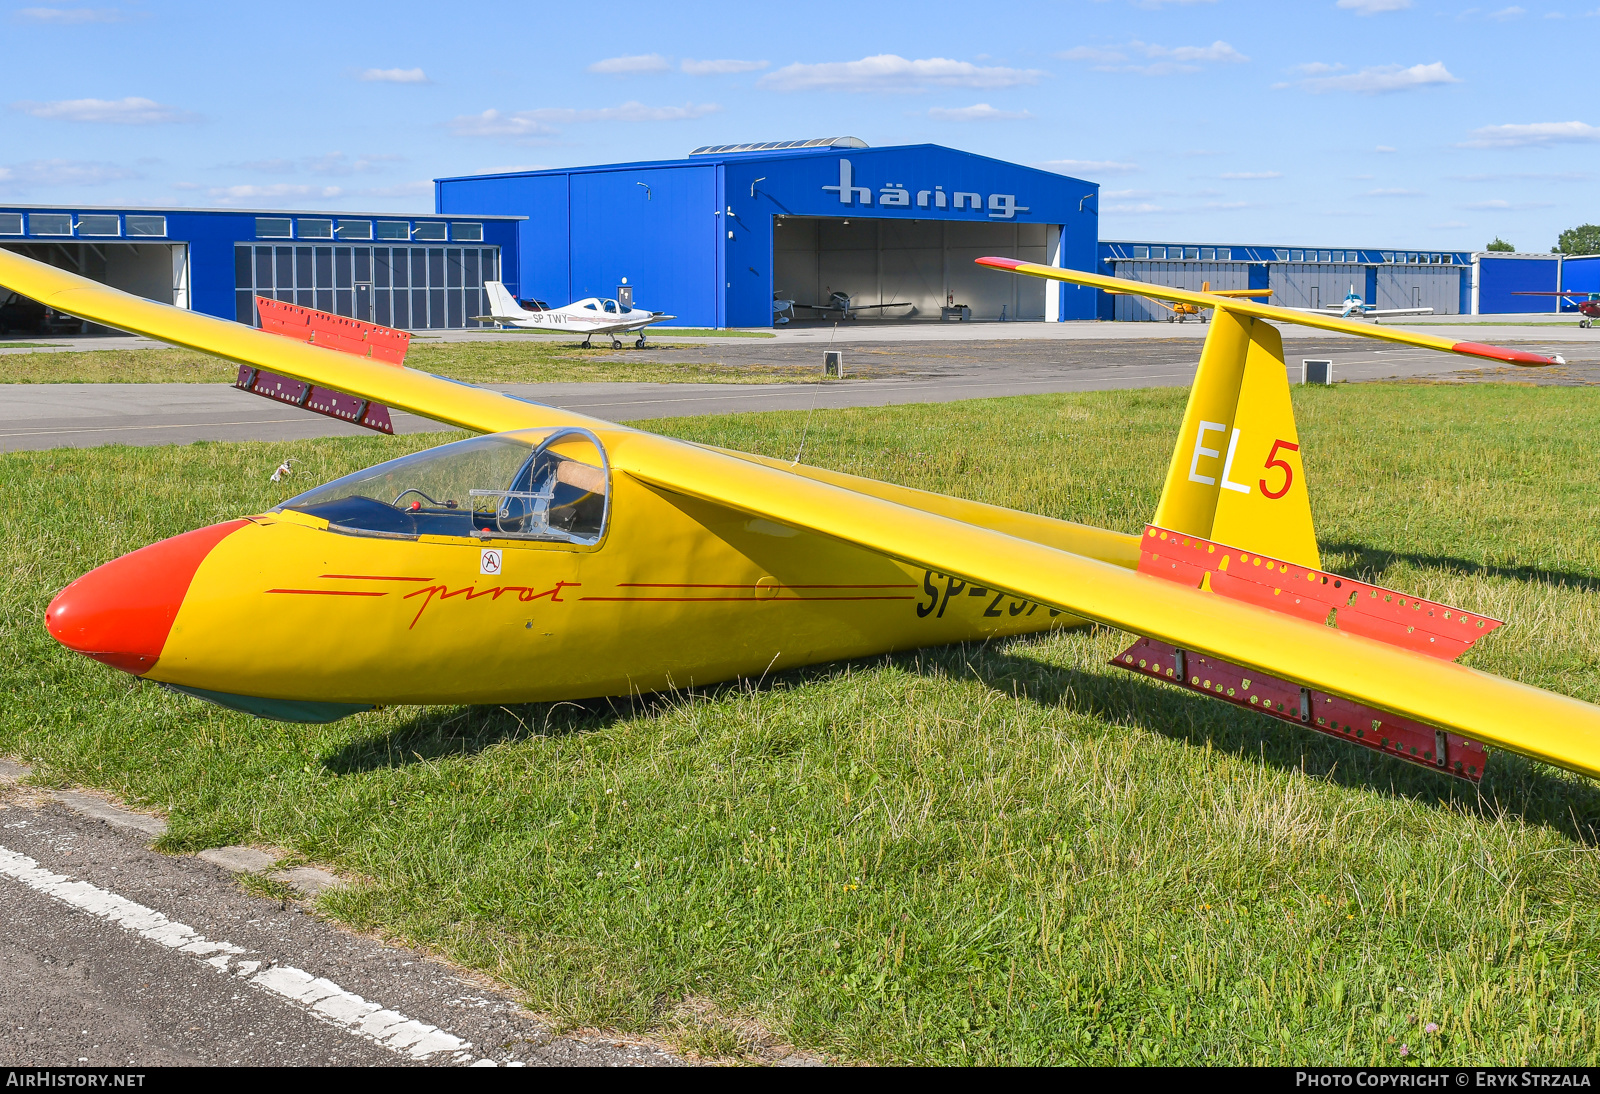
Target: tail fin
1205, 286
502, 304
1236, 475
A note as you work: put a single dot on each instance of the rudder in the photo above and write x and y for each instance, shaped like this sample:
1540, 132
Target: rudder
1236, 475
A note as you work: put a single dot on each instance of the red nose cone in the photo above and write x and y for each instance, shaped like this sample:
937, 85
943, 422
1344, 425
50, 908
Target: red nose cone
121, 612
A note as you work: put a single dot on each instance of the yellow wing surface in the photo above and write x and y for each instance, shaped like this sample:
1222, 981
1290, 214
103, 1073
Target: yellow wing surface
1546, 726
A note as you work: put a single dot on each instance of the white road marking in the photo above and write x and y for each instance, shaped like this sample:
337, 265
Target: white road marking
323, 998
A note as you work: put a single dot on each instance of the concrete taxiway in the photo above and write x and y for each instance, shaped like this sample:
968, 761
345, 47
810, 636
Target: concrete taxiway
879, 373
117, 956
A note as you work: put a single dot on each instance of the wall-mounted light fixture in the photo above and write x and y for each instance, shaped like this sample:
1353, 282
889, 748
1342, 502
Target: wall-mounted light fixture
1083, 199
647, 191
763, 178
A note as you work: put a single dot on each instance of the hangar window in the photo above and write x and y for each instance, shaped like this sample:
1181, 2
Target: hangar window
1191, 252
315, 229
429, 229
10, 224
551, 485
146, 225
1225, 254
394, 229
272, 228
467, 233
1326, 256
1141, 252
1280, 254
99, 224
355, 229
50, 224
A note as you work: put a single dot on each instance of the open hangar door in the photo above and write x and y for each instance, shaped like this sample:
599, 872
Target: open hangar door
155, 271
925, 263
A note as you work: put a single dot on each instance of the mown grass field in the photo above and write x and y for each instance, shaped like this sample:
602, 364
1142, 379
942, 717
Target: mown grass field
1005, 853
509, 359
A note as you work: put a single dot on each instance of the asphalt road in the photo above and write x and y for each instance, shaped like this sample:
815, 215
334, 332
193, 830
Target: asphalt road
39, 416
116, 956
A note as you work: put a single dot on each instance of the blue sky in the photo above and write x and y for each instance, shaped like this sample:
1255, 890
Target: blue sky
1335, 122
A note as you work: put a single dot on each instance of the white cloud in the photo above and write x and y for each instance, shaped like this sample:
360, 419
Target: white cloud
1218, 51
330, 163
492, 123
275, 191
69, 16
888, 72
980, 112
129, 111
1382, 78
415, 188
1168, 60
512, 168
1518, 136
1087, 168
395, 76
1092, 53
1132, 195
1505, 15
1384, 148
1501, 205
1373, 7
632, 66
530, 123
719, 68
1140, 209
1317, 68
1393, 192
1251, 175
59, 172
1525, 176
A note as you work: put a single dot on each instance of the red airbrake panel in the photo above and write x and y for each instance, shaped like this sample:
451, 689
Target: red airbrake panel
335, 332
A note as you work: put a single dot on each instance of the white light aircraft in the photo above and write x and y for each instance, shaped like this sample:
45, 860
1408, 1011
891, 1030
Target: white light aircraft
587, 317
1353, 307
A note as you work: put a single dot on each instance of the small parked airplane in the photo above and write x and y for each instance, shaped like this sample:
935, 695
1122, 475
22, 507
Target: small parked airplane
1180, 312
587, 317
841, 303
1353, 307
557, 557
1588, 304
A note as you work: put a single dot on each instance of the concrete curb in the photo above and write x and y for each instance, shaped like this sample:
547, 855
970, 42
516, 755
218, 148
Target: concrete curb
306, 880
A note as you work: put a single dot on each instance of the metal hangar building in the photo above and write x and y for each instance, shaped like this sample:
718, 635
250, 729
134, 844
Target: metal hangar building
715, 237
403, 270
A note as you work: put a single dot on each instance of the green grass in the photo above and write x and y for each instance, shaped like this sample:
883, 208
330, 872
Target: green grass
27, 345
489, 361
1002, 853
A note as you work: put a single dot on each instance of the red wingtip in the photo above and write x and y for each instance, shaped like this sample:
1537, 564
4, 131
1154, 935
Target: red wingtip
122, 612
1500, 353
1001, 263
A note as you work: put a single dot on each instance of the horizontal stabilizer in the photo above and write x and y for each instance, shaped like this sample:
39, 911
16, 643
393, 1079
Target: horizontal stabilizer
1271, 312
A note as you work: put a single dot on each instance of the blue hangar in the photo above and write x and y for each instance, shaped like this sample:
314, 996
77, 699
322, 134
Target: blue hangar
412, 271
715, 237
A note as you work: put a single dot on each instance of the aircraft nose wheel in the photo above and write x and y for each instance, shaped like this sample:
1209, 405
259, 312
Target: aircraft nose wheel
639, 343
1585, 323
616, 343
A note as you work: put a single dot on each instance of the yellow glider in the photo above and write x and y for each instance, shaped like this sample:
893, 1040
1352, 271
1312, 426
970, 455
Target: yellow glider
565, 557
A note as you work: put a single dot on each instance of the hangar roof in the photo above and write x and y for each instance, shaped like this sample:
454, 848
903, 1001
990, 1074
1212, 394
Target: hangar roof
735, 153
